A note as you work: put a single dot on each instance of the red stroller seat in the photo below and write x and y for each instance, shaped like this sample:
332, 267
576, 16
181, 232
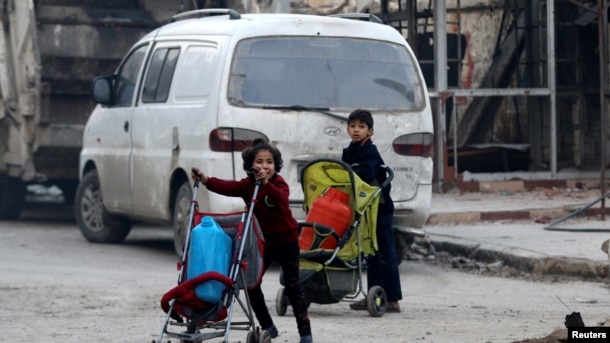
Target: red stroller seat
187, 303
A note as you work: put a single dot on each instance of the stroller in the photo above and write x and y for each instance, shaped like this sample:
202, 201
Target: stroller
200, 319
334, 245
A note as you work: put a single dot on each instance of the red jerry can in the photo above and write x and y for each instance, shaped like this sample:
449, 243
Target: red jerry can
330, 209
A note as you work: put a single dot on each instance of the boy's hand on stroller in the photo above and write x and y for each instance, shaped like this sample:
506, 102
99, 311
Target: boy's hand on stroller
197, 174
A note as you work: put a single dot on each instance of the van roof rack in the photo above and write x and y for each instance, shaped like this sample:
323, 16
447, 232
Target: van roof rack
359, 16
233, 14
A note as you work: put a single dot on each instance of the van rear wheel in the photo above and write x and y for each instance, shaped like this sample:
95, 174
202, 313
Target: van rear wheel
95, 223
402, 243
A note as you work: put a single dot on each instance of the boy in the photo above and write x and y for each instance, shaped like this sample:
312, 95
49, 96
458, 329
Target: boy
383, 266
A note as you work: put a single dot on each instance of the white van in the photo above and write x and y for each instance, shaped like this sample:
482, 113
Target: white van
198, 90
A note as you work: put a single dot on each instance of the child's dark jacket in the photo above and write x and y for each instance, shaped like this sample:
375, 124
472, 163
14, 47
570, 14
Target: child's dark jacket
272, 208
369, 161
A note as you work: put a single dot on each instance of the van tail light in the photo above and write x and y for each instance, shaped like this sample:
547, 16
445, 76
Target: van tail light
229, 139
415, 144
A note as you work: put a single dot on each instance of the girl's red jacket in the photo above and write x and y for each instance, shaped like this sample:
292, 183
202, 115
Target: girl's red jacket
272, 208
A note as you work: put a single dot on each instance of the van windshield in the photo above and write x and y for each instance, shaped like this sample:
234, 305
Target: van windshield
324, 72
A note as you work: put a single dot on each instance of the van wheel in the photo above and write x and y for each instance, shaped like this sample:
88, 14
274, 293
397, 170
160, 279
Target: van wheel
402, 242
182, 208
12, 198
95, 223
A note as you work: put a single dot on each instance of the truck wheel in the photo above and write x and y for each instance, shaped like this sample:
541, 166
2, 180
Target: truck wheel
182, 208
95, 223
12, 198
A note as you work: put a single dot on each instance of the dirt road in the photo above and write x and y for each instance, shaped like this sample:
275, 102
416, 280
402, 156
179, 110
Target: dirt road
57, 287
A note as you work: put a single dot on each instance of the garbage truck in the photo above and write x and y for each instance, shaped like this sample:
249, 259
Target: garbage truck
50, 50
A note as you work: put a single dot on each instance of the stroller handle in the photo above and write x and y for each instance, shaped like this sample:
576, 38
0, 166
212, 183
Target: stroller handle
390, 176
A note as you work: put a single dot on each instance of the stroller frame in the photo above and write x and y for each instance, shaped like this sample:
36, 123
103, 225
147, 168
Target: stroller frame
229, 299
324, 260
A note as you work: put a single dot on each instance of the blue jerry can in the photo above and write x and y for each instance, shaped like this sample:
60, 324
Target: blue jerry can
210, 250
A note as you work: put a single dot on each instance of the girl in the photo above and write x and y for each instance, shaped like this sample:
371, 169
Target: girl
262, 162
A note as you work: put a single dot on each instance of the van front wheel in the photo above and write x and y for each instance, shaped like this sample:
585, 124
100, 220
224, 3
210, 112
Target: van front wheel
182, 208
95, 223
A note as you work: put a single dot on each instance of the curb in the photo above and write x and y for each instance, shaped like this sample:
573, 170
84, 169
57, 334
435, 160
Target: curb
575, 267
469, 217
531, 214
549, 266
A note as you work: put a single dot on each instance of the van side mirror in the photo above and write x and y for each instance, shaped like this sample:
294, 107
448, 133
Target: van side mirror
102, 90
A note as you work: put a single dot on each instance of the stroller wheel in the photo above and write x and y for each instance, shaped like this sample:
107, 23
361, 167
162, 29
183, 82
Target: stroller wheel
265, 337
281, 302
251, 337
187, 341
376, 301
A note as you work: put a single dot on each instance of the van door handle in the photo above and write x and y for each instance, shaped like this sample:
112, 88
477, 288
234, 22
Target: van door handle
126, 126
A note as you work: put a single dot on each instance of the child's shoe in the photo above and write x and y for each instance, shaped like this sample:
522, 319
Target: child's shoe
306, 339
392, 307
272, 331
359, 305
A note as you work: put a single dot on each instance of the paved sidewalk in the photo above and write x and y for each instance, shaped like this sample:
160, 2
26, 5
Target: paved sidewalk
513, 227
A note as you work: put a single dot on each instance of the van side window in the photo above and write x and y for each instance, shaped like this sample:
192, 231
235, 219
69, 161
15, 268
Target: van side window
159, 75
127, 78
195, 75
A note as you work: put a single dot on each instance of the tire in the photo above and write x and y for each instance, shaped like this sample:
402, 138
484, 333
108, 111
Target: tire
188, 341
281, 302
182, 209
12, 198
95, 223
402, 242
251, 337
376, 301
264, 337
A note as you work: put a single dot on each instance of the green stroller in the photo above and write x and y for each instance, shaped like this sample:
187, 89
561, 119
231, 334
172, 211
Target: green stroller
334, 243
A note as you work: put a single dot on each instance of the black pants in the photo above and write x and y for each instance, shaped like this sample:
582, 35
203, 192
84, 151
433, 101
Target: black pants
382, 269
288, 258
